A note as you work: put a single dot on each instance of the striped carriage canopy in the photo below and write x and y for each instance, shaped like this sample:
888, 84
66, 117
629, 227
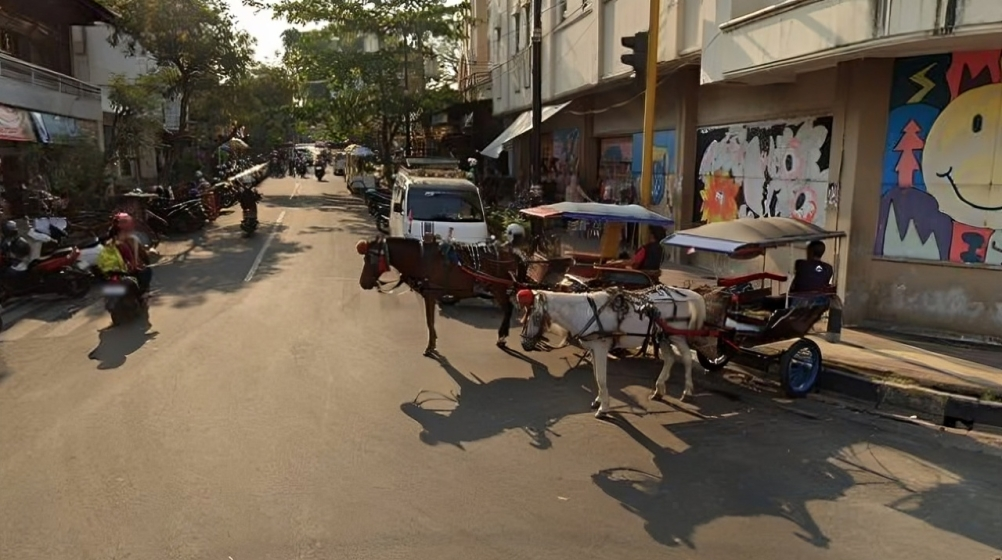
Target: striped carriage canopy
598, 212
749, 235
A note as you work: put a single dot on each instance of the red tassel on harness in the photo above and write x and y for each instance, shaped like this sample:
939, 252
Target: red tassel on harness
525, 298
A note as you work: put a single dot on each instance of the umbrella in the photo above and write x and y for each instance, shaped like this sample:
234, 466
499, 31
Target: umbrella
237, 144
358, 151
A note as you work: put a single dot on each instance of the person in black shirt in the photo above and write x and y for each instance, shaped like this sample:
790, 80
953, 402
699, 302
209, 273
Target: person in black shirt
649, 256
812, 274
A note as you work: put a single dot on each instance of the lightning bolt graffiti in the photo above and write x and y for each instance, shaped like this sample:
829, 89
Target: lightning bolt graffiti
920, 79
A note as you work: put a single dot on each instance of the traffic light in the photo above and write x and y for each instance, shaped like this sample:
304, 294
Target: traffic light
637, 59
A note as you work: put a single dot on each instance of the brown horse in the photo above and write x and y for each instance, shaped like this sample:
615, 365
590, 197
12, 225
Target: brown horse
442, 270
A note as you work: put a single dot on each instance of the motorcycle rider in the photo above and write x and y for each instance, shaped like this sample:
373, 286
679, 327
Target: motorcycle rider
249, 197
124, 254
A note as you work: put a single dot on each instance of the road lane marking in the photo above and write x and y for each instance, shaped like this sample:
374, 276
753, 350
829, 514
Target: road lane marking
264, 248
296, 190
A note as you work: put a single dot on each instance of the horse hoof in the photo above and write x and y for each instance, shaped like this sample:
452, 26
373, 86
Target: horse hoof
656, 396
602, 414
686, 397
429, 353
595, 404
502, 343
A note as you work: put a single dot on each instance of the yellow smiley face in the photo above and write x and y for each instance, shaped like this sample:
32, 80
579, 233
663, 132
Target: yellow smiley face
962, 158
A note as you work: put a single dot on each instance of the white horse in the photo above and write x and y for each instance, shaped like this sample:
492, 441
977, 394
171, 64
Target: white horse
601, 321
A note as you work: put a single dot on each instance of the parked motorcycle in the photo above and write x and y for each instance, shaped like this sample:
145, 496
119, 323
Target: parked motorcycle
56, 273
122, 299
183, 217
48, 235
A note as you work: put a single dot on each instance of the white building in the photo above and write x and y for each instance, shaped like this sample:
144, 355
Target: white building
876, 117
100, 64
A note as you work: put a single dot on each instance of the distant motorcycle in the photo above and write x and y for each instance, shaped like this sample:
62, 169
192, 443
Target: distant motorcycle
319, 171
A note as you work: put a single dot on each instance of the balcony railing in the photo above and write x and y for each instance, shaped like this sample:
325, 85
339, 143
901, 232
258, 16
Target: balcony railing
28, 73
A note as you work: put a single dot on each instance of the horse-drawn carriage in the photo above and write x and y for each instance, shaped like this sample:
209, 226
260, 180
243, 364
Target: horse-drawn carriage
742, 315
583, 271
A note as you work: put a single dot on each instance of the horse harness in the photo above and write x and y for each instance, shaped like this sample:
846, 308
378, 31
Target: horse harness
622, 302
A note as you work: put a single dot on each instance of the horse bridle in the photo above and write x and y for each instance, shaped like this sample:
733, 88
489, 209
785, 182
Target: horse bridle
538, 314
374, 254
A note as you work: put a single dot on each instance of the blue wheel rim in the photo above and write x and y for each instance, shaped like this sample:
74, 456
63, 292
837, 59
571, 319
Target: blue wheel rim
804, 369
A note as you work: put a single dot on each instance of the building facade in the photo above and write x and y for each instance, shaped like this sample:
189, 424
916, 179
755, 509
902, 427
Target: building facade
102, 63
880, 118
41, 98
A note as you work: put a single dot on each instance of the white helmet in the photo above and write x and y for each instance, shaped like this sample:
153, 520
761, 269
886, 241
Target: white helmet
514, 230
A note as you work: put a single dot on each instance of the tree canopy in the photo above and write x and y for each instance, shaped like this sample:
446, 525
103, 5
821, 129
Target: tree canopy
365, 67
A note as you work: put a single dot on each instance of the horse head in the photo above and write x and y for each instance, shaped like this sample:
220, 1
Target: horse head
535, 318
376, 261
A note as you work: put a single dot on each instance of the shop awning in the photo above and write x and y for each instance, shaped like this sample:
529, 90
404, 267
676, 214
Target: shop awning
57, 129
15, 125
521, 125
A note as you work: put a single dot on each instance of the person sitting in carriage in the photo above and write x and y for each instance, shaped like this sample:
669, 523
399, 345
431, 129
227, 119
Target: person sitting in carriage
812, 275
649, 257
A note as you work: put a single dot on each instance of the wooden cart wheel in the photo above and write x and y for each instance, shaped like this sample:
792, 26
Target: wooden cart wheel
800, 367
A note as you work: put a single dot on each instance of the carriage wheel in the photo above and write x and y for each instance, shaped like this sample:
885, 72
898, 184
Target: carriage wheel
800, 367
724, 355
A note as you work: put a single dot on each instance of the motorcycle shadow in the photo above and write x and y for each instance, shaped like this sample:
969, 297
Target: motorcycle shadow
116, 344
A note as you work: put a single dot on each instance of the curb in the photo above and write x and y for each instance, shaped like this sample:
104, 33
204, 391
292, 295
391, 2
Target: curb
941, 408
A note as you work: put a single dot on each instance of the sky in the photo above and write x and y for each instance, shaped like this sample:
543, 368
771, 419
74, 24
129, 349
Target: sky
262, 27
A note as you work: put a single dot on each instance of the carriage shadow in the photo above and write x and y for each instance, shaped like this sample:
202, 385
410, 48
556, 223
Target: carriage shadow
761, 464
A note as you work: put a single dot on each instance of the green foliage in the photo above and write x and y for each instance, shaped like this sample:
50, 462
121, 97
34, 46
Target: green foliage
197, 48
76, 171
369, 93
138, 115
259, 102
498, 220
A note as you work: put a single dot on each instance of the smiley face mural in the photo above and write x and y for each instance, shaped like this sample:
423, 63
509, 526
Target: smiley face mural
941, 195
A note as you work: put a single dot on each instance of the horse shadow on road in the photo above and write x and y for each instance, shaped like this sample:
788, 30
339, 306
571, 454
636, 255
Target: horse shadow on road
774, 464
483, 409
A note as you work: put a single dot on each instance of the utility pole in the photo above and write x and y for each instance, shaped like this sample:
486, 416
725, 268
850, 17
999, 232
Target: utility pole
407, 100
650, 96
535, 144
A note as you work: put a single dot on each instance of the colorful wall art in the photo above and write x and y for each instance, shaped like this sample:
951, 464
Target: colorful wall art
764, 169
941, 195
663, 177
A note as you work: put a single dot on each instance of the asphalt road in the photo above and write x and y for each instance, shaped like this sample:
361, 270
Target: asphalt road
275, 411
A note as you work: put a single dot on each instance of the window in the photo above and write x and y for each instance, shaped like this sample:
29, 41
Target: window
427, 204
561, 10
518, 31
496, 56
527, 20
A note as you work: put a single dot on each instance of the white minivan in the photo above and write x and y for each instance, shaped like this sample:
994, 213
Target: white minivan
444, 206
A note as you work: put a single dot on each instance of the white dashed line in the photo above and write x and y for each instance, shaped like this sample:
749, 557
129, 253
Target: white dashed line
264, 248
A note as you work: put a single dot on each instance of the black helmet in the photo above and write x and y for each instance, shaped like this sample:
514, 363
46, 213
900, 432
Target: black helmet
9, 228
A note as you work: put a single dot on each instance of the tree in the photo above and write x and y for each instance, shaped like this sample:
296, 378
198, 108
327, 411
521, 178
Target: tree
138, 113
195, 43
259, 103
370, 90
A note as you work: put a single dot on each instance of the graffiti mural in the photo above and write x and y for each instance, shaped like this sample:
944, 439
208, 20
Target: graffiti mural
764, 169
663, 176
941, 192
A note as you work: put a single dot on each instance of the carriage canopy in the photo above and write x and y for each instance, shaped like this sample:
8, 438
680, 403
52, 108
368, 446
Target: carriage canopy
749, 235
597, 212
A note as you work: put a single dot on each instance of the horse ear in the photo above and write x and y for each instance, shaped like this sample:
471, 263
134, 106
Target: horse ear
525, 298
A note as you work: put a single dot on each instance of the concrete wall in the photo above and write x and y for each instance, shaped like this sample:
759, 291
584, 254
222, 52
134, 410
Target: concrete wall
36, 98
